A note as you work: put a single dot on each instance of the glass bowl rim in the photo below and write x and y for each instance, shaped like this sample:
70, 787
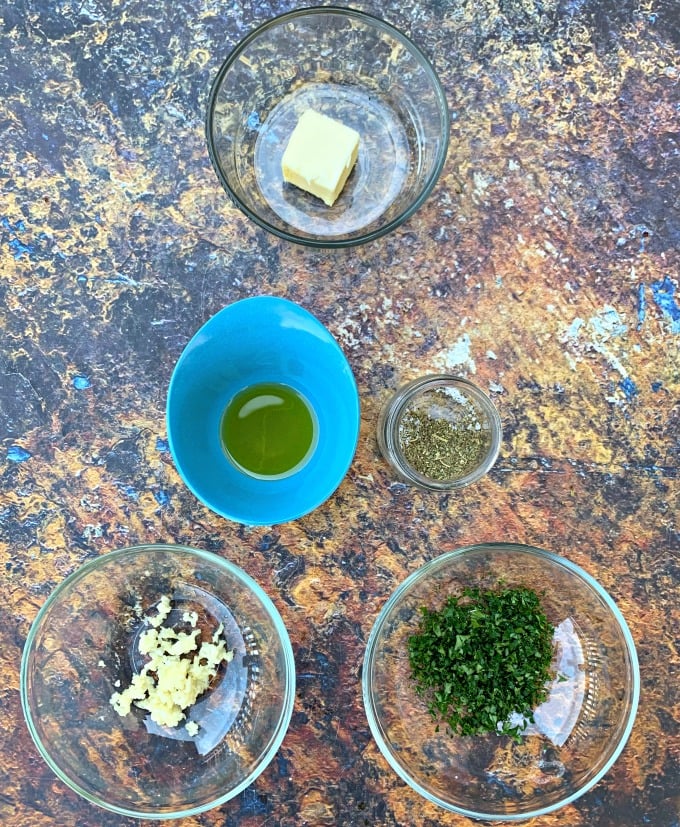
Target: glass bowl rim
376, 22
440, 562
289, 675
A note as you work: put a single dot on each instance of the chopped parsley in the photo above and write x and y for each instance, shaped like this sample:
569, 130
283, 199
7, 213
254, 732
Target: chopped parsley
485, 655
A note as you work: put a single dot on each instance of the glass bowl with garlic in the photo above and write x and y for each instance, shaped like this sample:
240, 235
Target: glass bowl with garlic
158, 681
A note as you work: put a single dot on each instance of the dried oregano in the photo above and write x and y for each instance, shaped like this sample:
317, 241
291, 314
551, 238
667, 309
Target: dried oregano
445, 440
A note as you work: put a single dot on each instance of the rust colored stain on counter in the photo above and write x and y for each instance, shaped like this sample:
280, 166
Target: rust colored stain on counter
544, 266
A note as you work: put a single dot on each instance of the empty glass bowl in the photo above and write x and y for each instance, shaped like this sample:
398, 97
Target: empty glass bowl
356, 69
579, 731
83, 647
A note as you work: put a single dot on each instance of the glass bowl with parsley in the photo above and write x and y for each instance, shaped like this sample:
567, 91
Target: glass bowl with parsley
500, 681
440, 432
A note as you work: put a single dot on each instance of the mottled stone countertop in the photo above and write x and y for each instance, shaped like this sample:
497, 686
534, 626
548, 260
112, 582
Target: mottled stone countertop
544, 266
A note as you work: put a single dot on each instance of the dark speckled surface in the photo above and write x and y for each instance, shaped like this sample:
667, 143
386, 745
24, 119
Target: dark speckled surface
544, 266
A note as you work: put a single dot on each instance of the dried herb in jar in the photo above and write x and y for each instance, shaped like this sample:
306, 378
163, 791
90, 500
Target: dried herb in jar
485, 655
445, 439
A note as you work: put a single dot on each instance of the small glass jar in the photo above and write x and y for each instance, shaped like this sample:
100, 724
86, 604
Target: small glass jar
440, 432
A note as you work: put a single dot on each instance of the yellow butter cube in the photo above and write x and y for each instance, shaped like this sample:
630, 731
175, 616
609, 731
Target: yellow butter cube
320, 155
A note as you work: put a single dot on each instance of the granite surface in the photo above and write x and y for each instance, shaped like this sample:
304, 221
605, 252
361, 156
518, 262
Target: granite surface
544, 266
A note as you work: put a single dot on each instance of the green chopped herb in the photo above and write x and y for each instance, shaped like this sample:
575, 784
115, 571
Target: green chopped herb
485, 655
444, 441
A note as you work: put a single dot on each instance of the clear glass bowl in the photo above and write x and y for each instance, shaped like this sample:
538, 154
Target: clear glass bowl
465, 412
352, 67
84, 640
579, 730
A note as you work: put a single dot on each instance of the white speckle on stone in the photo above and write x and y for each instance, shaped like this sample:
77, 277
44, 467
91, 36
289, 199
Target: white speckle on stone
613, 360
481, 183
458, 357
572, 331
607, 324
603, 333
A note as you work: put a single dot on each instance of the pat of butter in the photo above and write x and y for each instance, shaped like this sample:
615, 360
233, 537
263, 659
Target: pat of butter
320, 155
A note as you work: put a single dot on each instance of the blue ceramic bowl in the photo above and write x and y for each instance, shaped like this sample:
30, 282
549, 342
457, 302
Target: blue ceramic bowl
260, 340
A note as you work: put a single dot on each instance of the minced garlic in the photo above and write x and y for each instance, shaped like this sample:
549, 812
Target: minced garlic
190, 617
170, 682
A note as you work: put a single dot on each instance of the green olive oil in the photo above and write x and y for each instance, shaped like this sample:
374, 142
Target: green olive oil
268, 430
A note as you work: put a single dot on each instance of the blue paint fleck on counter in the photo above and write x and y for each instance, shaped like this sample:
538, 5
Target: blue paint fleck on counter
161, 497
162, 445
17, 227
656, 386
19, 248
17, 454
151, 87
131, 492
629, 388
80, 382
253, 120
664, 295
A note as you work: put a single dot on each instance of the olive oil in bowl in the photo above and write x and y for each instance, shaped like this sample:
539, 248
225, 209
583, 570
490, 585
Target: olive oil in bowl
269, 430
